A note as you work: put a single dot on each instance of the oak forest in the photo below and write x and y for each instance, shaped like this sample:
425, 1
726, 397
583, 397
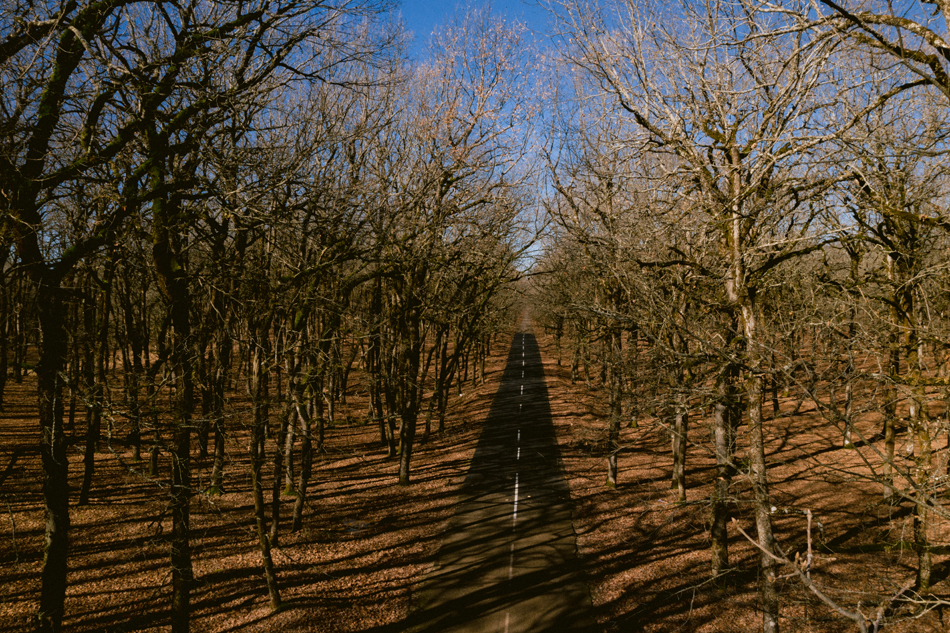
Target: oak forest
266, 270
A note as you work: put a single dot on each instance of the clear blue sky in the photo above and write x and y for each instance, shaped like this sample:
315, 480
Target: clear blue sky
422, 16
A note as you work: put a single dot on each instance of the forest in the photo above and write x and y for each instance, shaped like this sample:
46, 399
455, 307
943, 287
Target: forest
235, 233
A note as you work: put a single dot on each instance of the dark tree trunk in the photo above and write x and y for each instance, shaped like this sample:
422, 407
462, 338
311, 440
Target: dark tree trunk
680, 429
274, 534
19, 333
288, 448
101, 349
260, 394
222, 361
53, 351
428, 421
614, 382
890, 416
181, 491
407, 434
443, 381
725, 419
410, 351
134, 345
90, 393
303, 481
306, 456
4, 321
170, 268
205, 379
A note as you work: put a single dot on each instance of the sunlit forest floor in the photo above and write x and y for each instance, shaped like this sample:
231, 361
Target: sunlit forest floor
647, 557
366, 541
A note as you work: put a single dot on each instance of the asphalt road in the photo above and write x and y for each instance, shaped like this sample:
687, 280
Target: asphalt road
508, 562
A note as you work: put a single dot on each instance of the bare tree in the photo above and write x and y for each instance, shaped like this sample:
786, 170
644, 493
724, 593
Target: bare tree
451, 177
84, 84
734, 99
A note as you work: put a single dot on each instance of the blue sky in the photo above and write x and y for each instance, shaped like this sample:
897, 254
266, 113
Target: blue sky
422, 16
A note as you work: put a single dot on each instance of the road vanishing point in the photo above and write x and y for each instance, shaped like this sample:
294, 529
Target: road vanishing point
508, 562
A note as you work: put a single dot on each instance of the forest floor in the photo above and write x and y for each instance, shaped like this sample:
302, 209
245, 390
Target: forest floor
647, 557
366, 541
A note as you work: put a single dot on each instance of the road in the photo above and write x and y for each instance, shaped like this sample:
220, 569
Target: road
508, 562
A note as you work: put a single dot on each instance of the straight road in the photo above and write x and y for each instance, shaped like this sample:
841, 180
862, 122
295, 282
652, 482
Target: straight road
508, 562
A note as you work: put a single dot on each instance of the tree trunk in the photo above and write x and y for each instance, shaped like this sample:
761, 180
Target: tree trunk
923, 454
614, 378
101, 349
182, 574
19, 334
773, 383
407, 434
53, 351
169, 266
260, 394
443, 382
680, 427
723, 433
288, 448
4, 322
409, 360
154, 451
91, 389
763, 508
922, 511
278, 475
306, 457
768, 592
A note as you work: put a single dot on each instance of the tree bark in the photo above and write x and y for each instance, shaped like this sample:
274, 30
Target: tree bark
174, 283
614, 378
768, 592
101, 351
723, 433
306, 456
4, 321
680, 427
260, 394
53, 351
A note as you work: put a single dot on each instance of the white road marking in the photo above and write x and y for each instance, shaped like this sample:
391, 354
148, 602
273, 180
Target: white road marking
507, 617
519, 453
514, 515
522, 390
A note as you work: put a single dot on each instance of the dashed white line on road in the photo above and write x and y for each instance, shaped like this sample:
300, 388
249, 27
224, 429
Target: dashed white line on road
514, 515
